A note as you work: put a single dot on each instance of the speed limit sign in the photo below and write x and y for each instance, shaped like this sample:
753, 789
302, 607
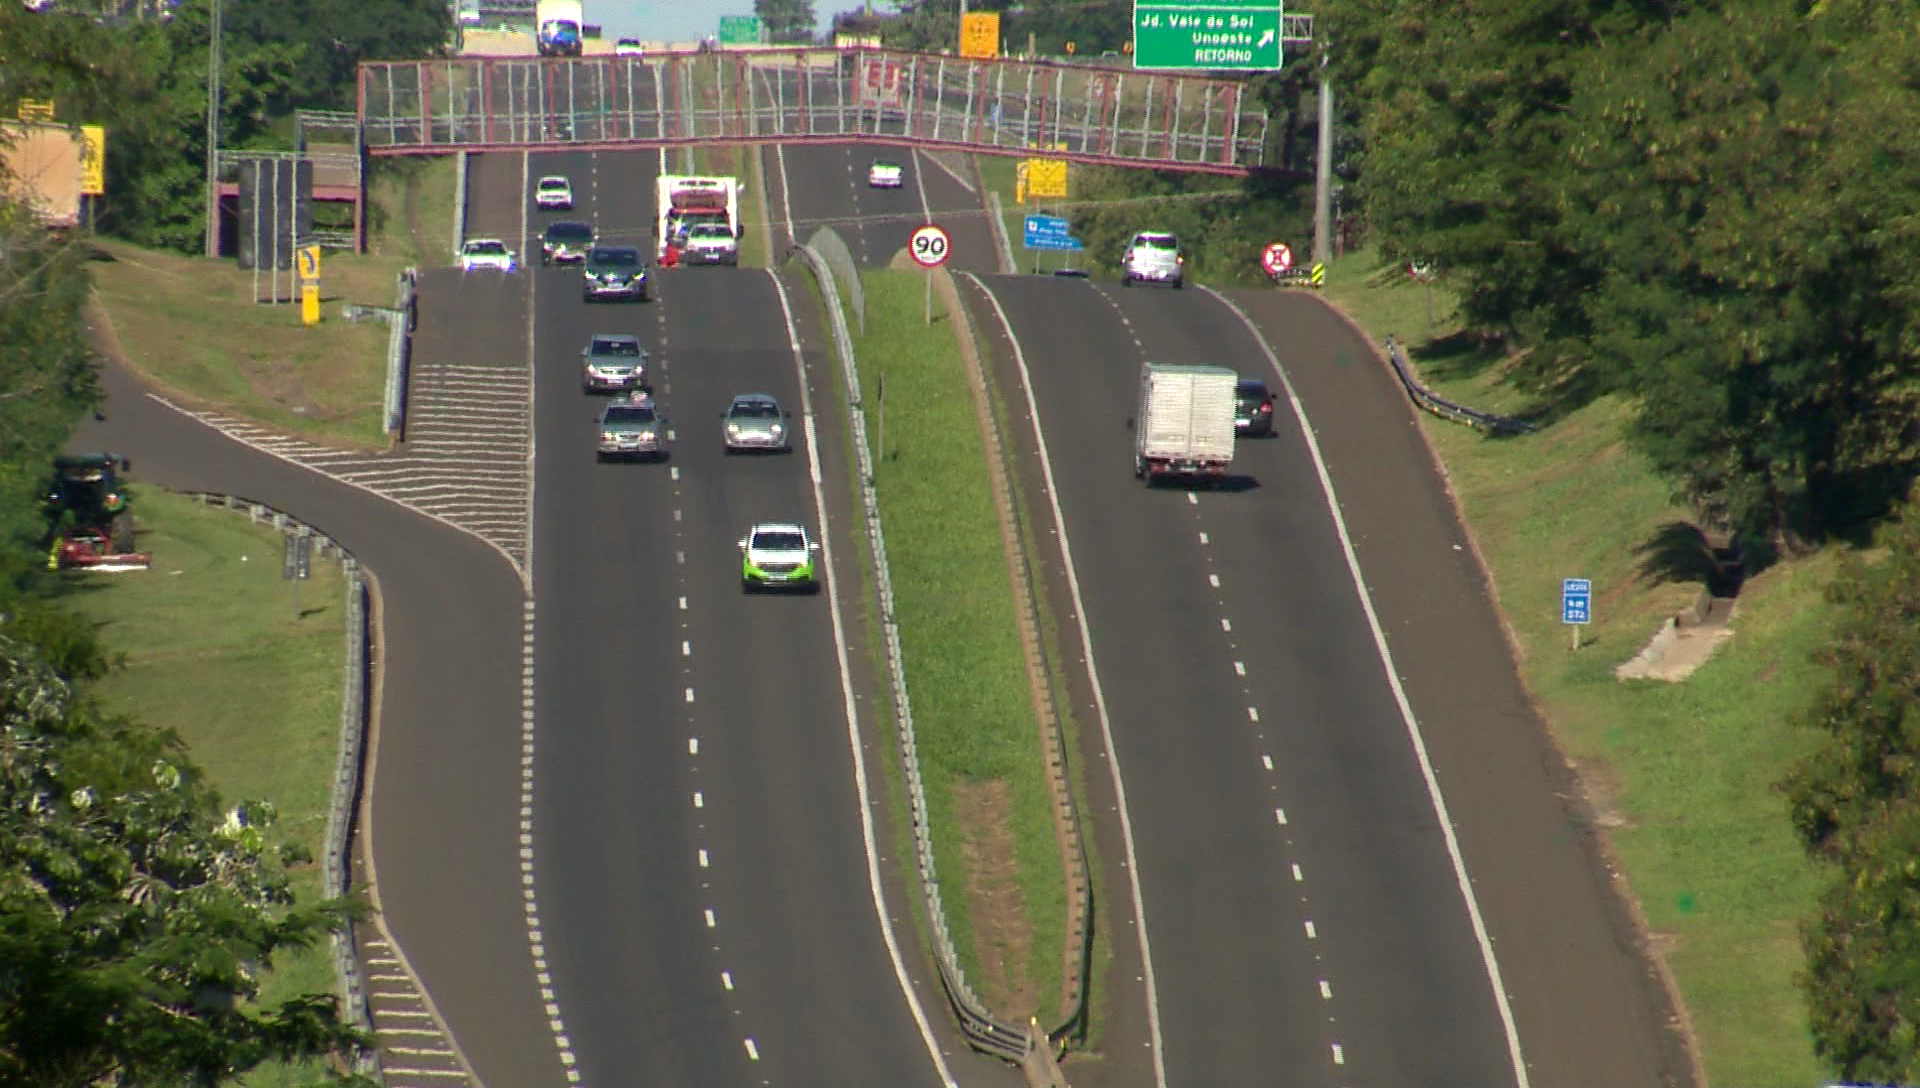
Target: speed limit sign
929, 246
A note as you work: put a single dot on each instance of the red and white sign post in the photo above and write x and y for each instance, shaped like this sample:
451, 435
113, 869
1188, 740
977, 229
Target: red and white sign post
1277, 259
929, 247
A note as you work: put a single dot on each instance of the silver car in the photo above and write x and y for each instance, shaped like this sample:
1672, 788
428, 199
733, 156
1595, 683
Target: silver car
1154, 257
632, 427
710, 243
754, 421
613, 363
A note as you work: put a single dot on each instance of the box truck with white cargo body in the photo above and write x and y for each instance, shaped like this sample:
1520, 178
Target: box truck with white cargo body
560, 27
1184, 428
682, 200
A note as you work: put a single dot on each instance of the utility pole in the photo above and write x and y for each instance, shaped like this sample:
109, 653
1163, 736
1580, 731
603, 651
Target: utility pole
213, 133
1323, 171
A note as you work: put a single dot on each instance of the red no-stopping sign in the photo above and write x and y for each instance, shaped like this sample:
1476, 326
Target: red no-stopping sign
1276, 259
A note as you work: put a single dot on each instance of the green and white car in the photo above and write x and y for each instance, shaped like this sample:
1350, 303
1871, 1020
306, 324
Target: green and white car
885, 175
778, 555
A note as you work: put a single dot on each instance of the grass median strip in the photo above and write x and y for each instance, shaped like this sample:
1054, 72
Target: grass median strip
214, 650
1685, 772
987, 796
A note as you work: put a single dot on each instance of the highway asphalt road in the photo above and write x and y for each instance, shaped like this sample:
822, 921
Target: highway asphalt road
825, 185
444, 771
1302, 908
707, 903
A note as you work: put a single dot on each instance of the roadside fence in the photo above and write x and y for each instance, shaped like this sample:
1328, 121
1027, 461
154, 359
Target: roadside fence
982, 1031
337, 852
1430, 401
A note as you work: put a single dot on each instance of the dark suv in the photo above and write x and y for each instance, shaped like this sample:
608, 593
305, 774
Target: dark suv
1252, 407
613, 272
565, 241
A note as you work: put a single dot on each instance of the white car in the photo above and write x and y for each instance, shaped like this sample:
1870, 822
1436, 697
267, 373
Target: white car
486, 255
553, 193
628, 47
884, 175
778, 555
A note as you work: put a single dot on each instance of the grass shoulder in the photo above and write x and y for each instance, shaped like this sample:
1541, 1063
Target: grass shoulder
216, 648
192, 326
1684, 773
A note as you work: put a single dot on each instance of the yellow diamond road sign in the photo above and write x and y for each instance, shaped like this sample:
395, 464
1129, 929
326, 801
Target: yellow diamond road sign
309, 261
980, 34
1046, 177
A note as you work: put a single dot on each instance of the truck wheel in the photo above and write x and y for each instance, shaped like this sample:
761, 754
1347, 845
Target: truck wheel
120, 533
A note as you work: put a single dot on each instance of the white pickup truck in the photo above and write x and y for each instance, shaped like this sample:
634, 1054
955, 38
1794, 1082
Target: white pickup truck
1184, 428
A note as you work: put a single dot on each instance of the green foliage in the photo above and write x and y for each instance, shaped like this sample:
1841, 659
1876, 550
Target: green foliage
134, 915
1710, 210
49, 382
786, 21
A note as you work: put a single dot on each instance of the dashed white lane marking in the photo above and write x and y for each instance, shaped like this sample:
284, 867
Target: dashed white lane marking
686, 648
1298, 876
1239, 668
1312, 933
711, 920
1203, 537
699, 800
693, 746
1339, 1055
753, 1052
1253, 713
704, 861
726, 981
1213, 580
1226, 624
1326, 990
689, 695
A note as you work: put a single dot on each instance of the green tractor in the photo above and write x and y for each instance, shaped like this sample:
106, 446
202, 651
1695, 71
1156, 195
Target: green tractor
89, 523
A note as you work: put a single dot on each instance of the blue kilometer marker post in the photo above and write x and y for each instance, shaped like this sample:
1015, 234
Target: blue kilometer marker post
1576, 605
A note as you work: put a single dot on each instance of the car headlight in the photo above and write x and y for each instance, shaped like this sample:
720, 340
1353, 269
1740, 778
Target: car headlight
606, 436
778, 430
733, 428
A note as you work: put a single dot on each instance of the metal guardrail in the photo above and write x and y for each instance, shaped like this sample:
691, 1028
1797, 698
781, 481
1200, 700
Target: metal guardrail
982, 1031
336, 853
460, 164
829, 245
1430, 401
400, 322
1080, 880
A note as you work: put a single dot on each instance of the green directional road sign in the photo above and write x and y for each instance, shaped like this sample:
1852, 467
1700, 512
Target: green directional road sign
1188, 34
739, 30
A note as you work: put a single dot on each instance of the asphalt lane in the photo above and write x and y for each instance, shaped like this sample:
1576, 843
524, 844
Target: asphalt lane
1209, 684
703, 884
443, 773
1591, 1011
825, 185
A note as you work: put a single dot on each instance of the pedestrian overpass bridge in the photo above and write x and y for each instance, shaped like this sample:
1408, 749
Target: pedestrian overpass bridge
1083, 113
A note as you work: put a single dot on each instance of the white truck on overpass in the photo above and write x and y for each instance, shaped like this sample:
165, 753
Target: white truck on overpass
1184, 428
560, 27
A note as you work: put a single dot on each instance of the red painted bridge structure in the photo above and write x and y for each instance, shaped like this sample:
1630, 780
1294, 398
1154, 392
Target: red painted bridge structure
1087, 114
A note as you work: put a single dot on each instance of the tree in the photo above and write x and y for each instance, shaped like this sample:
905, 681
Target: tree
786, 21
134, 914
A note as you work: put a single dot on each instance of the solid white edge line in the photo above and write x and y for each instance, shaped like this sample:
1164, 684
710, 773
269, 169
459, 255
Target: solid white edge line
867, 833
1099, 696
920, 183
1399, 697
786, 203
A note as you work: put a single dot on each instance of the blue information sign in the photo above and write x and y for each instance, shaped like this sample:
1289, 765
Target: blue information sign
1576, 600
1050, 232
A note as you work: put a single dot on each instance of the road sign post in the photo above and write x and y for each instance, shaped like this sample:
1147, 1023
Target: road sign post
1242, 35
1576, 605
929, 247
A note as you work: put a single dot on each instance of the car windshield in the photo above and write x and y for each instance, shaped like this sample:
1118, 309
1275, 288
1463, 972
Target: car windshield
565, 232
755, 410
886, 167
1156, 241
550, 184
710, 232
624, 258
781, 540
486, 248
608, 346
629, 416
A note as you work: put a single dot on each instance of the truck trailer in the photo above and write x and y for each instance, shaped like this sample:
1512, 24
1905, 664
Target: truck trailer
681, 200
1184, 428
560, 27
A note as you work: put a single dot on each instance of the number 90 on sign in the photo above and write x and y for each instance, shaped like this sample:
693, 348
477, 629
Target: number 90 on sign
929, 246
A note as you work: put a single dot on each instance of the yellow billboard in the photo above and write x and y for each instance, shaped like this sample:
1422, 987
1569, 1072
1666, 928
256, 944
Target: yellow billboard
980, 34
36, 109
93, 160
1046, 177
